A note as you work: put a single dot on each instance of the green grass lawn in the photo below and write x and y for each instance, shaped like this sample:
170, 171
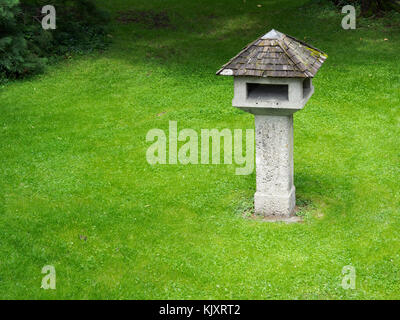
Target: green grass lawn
77, 192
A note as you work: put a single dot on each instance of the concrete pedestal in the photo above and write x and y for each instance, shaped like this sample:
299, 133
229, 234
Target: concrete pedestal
273, 101
275, 194
273, 80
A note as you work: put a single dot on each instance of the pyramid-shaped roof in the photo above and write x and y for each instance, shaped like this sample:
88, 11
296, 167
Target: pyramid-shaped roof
275, 55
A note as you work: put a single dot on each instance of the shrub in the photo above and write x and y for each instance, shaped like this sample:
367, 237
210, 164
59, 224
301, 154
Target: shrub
25, 46
371, 7
16, 60
81, 26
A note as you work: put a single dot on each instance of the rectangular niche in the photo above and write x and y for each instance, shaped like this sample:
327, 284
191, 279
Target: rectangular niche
267, 92
306, 87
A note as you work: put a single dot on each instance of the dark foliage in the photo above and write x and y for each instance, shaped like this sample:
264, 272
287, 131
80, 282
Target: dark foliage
371, 7
377, 7
25, 47
16, 57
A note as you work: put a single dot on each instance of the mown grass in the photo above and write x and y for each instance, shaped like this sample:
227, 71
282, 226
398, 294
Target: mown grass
76, 191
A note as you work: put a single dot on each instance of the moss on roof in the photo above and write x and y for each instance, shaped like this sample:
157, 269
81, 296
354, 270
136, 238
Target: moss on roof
275, 55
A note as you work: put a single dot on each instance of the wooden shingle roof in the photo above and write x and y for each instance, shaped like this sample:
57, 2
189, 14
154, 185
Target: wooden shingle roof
275, 55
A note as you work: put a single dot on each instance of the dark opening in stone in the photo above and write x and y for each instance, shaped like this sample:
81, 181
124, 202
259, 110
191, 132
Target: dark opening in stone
265, 92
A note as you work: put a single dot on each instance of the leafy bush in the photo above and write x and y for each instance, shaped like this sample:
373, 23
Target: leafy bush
371, 7
81, 26
16, 59
25, 46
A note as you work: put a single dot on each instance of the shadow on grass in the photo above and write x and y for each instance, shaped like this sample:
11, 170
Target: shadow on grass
205, 39
201, 41
324, 195
311, 198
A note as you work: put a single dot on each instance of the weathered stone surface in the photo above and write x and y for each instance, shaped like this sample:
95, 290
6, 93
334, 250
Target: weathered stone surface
295, 100
272, 80
275, 195
273, 102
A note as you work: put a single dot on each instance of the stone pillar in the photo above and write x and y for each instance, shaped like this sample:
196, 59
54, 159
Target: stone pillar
275, 194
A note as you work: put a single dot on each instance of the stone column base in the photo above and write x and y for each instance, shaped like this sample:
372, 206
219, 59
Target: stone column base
279, 206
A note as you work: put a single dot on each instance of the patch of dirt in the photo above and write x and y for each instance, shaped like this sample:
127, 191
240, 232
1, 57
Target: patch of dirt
302, 208
291, 219
392, 25
149, 18
319, 215
247, 212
